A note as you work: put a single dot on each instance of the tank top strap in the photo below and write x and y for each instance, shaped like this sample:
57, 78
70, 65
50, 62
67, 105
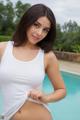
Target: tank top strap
7, 51
40, 58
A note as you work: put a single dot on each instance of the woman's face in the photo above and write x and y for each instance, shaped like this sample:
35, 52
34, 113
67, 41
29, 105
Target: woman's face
38, 30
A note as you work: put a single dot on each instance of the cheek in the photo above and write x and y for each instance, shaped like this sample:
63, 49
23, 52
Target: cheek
44, 35
32, 29
29, 32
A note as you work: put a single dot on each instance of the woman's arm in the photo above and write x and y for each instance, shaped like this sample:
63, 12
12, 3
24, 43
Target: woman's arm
55, 77
52, 70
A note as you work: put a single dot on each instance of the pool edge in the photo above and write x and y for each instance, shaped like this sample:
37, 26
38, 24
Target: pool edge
64, 70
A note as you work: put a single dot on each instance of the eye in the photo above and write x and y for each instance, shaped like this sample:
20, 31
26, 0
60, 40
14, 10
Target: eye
36, 25
46, 30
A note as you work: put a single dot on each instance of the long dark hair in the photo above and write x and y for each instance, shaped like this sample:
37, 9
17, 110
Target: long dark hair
28, 19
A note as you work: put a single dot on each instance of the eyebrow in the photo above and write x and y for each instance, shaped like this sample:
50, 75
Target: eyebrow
40, 24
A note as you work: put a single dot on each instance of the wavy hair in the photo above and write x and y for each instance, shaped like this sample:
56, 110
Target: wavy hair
30, 16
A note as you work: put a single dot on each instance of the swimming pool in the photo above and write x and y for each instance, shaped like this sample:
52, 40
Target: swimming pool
69, 107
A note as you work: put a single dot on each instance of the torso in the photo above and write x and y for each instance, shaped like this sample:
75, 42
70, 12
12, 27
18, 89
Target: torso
32, 111
28, 107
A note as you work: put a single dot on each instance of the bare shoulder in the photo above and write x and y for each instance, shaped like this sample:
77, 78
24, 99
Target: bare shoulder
2, 48
51, 61
51, 57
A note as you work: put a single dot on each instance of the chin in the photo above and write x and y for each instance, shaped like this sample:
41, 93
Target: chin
34, 42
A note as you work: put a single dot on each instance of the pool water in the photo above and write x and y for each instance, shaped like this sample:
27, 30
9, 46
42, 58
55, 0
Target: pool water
1, 103
69, 107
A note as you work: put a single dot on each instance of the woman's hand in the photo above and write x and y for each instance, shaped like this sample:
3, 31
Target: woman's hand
38, 95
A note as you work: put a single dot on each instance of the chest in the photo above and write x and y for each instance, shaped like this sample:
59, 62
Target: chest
27, 74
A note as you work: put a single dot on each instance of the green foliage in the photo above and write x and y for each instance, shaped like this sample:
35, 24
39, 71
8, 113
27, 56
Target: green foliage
68, 37
76, 48
10, 16
20, 9
4, 38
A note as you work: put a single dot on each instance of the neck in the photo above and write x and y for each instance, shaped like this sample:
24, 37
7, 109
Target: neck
30, 46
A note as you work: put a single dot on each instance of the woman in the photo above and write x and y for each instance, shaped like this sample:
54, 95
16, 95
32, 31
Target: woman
24, 62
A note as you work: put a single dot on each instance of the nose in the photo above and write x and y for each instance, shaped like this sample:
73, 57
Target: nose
39, 32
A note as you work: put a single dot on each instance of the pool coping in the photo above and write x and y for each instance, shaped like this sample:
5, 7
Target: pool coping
69, 71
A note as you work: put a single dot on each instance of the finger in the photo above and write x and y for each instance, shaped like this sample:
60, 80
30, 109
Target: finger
33, 95
37, 95
29, 94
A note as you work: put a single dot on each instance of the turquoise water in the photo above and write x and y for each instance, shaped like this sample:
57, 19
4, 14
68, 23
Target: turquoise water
1, 103
69, 107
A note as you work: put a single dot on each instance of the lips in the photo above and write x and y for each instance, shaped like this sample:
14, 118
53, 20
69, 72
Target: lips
35, 37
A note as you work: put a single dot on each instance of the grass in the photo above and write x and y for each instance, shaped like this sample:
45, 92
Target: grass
4, 38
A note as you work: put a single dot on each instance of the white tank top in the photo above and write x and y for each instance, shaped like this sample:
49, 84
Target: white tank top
17, 78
